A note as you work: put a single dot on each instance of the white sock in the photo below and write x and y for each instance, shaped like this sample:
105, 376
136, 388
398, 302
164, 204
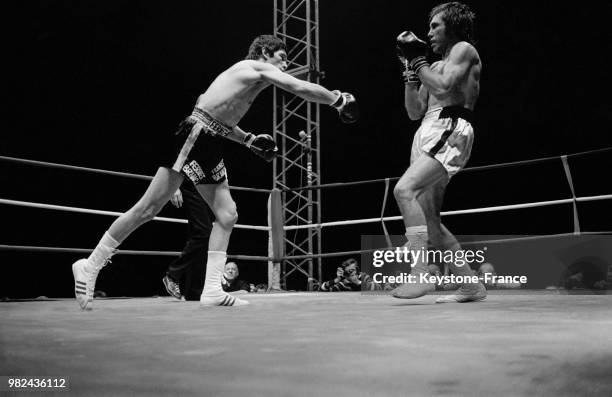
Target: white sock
214, 272
102, 253
213, 294
417, 241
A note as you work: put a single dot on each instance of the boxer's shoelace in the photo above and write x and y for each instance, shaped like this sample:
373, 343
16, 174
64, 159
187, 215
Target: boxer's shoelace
90, 280
173, 288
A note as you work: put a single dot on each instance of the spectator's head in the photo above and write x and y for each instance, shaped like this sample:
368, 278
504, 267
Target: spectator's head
231, 270
350, 267
486, 268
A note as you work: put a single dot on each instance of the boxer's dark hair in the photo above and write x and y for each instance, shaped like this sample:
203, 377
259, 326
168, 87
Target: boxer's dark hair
265, 42
458, 18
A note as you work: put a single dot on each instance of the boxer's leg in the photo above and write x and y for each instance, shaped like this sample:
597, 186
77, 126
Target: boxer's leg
218, 197
422, 173
431, 203
85, 271
160, 190
453, 159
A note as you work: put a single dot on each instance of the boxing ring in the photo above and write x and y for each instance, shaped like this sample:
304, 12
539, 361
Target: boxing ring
309, 343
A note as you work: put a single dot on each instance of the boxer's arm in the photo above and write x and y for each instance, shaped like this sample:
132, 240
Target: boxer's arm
415, 100
415, 94
460, 60
237, 135
310, 91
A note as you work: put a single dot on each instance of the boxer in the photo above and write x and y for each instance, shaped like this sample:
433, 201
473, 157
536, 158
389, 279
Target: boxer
198, 157
443, 95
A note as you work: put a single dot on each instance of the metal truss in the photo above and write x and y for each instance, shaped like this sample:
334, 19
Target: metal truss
297, 131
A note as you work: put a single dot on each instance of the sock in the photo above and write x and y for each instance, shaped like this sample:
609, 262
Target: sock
213, 294
102, 253
214, 272
417, 242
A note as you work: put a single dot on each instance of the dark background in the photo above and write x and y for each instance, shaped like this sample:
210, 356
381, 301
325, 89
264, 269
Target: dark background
103, 84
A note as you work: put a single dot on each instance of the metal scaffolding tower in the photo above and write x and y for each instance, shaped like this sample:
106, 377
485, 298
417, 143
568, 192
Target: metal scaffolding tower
297, 130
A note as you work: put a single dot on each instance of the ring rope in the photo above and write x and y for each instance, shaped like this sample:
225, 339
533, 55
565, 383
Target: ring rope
30, 248
573, 200
468, 169
106, 172
529, 238
294, 257
504, 240
111, 213
333, 254
325, 224
457, 212
386, 180
81, 250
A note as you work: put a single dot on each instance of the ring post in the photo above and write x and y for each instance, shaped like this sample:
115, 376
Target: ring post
276, 248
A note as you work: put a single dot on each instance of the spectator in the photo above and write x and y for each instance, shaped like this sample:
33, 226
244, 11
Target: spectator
585, 274
349, 278
230, 281
262, 287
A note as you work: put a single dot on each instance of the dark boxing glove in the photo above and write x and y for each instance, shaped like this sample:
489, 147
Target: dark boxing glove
262, 145
413, 49
346, 104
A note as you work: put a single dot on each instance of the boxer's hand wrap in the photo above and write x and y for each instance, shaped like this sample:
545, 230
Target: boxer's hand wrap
418, 63
262, 145
346, 104
413, 49
409, 76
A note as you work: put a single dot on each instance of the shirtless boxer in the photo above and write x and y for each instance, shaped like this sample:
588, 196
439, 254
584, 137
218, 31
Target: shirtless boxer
198, 157
443, 95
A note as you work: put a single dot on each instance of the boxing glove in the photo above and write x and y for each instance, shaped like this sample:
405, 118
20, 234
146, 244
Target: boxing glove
347, 107
262, 145
413, 49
